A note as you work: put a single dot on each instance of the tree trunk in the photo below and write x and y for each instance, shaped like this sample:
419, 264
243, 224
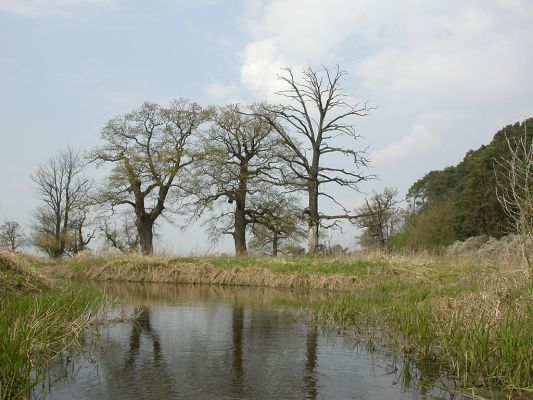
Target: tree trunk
275, 244
57, 250
239, 234
313, 221
238, 350
145, 227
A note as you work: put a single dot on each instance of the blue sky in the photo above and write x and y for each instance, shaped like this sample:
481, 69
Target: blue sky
444, 76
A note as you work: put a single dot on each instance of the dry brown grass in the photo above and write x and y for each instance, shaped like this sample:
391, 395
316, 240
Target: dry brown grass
152, 269
17, 277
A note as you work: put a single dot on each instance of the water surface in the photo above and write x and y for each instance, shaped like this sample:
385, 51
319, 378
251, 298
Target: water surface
200, 342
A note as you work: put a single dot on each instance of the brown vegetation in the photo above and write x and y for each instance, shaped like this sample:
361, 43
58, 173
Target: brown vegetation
152, 269
16, 277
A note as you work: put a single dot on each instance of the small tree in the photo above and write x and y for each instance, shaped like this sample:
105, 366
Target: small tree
277, 222
514, 189
63, 191
11, 236
148, 148
381, 219
312, 124
120, 234
82, 229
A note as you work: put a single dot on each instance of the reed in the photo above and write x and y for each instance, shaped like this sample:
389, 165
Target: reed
38, 324
475, 320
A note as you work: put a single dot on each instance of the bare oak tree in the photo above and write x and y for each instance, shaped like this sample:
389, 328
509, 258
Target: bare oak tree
82, 228
120, 233
11, 236
381, 218
514, 189
237, 152
277, 221
312, 124
63, 191
148, 148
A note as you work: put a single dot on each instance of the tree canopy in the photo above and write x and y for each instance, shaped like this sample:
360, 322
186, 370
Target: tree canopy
461, 199
148, 148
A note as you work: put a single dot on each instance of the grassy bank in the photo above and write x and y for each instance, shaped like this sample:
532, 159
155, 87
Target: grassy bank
37, 324
473, 316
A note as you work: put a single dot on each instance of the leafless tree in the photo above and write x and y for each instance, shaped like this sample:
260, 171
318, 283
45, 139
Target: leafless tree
11, 236
237, 153
121, 233
82, 229
63, 191
514, 189
148, 148
313, 124
382, 220
277, 221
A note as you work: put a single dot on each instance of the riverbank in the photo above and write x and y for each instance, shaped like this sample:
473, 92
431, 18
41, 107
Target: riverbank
472, 316
39, 322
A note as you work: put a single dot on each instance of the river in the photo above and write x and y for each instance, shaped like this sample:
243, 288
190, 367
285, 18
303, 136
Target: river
201, 342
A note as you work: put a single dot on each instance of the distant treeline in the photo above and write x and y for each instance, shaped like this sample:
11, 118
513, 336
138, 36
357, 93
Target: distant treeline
460, 201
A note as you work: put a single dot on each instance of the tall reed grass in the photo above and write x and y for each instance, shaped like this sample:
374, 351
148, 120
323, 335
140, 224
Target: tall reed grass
37, 329
38, 323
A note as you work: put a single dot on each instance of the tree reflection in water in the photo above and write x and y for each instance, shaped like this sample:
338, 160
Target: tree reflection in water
310, 377
137, 367
238, 363
141, 323
202, 343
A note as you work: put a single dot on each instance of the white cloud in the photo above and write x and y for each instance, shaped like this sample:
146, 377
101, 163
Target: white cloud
38, 8
420, 141
453, 69
290, 33
220, 91
261, 64
418, 46
471, 53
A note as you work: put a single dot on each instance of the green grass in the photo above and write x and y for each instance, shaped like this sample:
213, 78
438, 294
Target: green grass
302, 264
34, 329
311, 265
37, 324
474, 320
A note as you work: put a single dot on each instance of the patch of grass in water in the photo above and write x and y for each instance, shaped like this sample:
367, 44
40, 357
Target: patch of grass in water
479, 330
37, 323
35, 329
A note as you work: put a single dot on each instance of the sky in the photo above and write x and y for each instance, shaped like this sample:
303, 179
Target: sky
442, 76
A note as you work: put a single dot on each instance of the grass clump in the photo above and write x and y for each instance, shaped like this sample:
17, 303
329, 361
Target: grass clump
471, 317
37, 324
17, 277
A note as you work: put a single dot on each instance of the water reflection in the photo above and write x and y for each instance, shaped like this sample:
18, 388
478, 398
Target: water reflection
238, 359
189, 342
310, 378
141, 324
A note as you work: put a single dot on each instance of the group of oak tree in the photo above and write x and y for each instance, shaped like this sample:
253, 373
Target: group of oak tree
240, 169
258, 172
